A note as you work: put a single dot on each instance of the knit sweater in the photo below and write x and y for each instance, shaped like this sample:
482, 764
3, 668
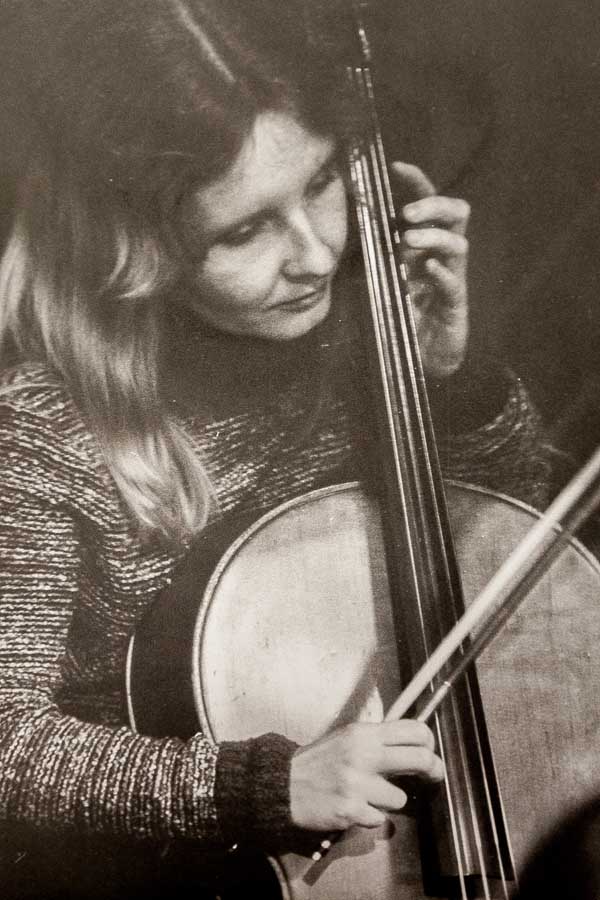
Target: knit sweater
76, 575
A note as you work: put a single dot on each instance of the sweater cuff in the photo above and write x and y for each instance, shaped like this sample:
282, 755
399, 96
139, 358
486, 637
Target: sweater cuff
252, 795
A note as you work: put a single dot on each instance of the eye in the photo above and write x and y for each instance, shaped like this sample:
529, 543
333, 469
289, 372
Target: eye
242, 235
323, 179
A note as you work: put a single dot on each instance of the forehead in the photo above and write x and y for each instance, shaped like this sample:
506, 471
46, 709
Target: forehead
276, 163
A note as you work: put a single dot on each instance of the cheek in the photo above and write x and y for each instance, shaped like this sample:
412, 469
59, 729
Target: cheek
240, 280
334, 218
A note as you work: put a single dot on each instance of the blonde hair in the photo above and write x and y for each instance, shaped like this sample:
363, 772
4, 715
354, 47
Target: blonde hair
131, 103
100, 327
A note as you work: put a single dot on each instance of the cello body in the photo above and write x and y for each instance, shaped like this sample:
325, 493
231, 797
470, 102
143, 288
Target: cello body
289, 630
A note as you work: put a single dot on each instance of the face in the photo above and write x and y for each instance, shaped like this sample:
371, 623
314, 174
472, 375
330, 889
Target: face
266, 239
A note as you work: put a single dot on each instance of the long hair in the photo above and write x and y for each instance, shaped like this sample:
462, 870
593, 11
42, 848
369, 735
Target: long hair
133, 102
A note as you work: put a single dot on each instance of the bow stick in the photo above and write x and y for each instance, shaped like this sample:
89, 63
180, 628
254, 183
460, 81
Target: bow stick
506, 590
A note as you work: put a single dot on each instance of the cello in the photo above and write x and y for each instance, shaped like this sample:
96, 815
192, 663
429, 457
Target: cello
352, 632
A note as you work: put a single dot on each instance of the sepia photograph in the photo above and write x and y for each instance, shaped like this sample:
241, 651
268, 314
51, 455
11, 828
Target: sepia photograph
299, 449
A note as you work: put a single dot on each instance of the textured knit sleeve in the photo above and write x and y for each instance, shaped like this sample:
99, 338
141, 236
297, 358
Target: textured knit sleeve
59, 771
56, 770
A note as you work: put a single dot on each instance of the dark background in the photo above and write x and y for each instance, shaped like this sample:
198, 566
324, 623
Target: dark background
501, 100
497, 101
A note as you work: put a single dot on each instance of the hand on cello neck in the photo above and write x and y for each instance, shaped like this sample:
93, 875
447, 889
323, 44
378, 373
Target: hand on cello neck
434, 249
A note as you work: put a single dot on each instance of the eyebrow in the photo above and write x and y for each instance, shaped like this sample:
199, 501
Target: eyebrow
262, 215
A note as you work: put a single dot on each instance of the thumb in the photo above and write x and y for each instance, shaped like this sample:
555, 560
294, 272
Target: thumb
413, 183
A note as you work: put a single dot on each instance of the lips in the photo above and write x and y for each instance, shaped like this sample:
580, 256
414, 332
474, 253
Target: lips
305, 301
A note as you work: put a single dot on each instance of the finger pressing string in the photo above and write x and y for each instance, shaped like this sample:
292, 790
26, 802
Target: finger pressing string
450, 212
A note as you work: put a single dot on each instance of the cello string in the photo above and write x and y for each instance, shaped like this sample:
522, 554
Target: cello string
409, 360
370, 241
376, 259
517, 575
430, 457
474, 823
422, 416
415, 369
398, 280
530, 560
453, 824
382, 302
369, 233
407, 418
386, 203
491, 811
390, 311
385, 219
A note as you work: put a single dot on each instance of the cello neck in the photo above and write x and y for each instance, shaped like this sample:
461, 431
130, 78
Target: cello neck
464, 832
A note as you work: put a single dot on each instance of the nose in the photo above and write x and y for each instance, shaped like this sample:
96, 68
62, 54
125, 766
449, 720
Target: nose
309, 256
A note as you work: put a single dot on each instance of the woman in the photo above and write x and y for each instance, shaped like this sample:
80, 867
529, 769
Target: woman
177, 309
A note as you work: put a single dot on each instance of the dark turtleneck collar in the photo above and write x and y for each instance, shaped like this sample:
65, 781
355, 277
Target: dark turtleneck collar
207, 372
211, 374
